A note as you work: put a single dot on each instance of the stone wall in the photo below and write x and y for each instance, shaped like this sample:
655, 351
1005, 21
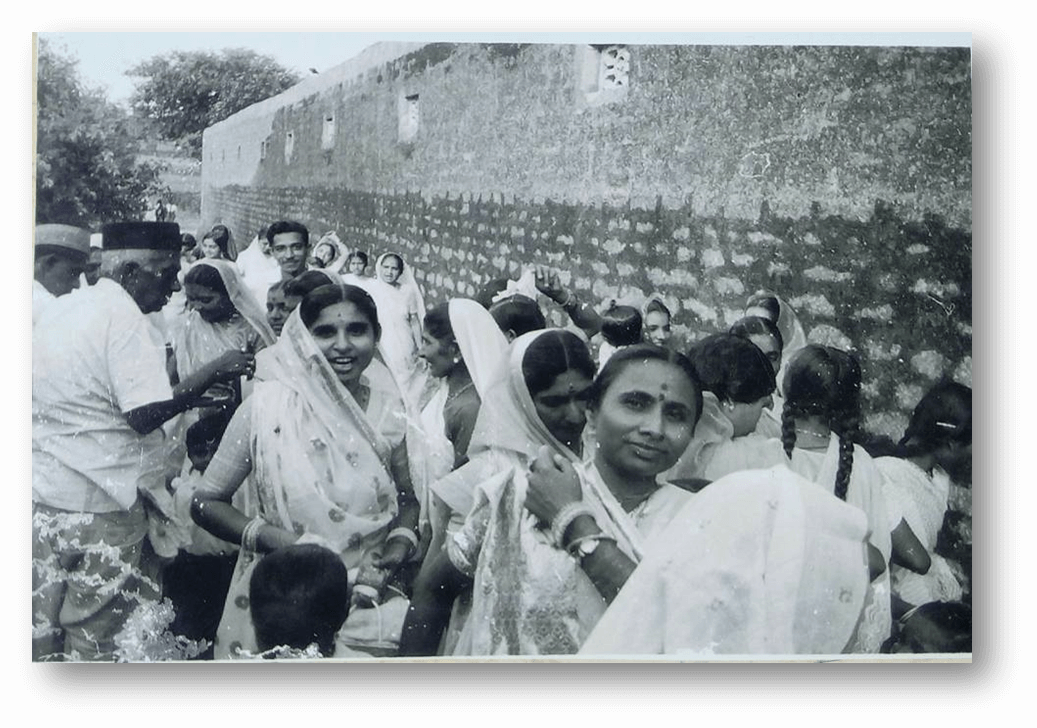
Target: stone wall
902, 299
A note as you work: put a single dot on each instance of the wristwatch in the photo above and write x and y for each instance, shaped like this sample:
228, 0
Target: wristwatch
586, 547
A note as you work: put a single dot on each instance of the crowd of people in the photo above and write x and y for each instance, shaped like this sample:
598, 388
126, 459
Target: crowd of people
308, 460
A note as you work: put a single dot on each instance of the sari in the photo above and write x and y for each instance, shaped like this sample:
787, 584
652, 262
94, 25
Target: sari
196, 342
865, 491
398, 305
793, 338
482, 348
529, 597
920, 499
322, 468
763, 562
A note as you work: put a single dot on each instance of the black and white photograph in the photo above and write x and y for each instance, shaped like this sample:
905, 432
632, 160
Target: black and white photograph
368, 347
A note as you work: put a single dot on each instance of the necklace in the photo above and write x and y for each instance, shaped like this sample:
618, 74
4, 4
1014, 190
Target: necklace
456, 394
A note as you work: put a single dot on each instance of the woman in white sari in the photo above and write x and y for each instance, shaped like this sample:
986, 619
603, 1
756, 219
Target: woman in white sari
791, 337
819, 421
937, 443
321, 450
222, 318
401, 310
530, 597
463, 348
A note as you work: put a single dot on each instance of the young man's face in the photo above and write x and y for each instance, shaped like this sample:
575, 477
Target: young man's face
290, 251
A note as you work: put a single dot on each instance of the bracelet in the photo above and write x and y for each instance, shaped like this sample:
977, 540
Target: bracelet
575, 543
564, 518
570, 300
406, 533
250, 534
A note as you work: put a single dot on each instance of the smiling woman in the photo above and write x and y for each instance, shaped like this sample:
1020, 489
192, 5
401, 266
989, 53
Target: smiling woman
642, 408
321, 450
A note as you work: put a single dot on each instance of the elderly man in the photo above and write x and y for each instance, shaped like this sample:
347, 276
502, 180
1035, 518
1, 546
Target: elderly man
99, 395
61, 254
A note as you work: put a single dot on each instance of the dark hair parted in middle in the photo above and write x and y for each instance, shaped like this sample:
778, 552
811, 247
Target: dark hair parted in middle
320, 298
732, 368
637, 354
551, 354
203, 274
757, 326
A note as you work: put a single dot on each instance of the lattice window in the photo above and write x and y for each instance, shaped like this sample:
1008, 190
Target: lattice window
327, 132
410, 118
614, 67
289, 146
604, 73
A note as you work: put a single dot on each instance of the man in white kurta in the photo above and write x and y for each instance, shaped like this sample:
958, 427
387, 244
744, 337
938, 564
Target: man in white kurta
99, 393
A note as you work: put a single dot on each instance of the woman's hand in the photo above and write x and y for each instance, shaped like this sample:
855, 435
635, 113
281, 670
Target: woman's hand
548, 283
553, 484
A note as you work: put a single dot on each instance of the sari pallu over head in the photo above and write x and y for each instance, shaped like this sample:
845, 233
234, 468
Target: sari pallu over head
793, 335
319, 467
529, 597
321, 471
197, 342
482, 347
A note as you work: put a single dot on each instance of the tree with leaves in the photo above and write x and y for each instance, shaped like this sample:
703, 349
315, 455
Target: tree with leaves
87, 171
181, 93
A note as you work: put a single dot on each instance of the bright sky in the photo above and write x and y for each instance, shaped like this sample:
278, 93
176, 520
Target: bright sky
104, 58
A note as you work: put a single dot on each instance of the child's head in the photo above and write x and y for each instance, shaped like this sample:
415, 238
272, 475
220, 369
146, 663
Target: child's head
203, 438
941, 426
517, 315
356, 263
621, 325
298, 596
936, 627
739, 374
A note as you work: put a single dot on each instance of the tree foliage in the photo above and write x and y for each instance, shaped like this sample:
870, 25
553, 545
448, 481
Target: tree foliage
181, 93
86, 153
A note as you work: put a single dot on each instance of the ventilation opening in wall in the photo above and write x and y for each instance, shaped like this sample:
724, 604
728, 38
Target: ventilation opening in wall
604, 73
289, 146
409, 118
263, 146
327, 132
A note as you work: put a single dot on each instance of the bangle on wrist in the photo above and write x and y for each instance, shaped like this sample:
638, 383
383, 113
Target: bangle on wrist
407, 534
250, 534
569, 296
564, 518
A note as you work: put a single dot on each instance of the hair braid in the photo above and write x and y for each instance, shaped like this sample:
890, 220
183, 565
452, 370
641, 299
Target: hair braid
845, 425
788, 429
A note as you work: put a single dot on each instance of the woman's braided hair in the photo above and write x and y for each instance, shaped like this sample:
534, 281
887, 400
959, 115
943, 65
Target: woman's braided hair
826, 383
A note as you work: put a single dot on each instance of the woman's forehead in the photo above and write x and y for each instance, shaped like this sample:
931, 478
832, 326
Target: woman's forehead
654, 377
